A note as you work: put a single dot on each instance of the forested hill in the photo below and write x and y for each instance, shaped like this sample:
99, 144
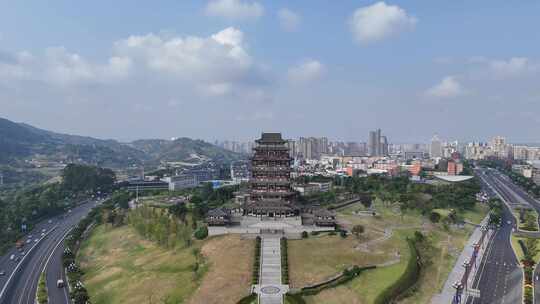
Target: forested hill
20, 142
184, 149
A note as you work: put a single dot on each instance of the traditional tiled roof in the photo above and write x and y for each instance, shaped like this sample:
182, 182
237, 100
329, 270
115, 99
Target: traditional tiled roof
270, 138
218, 212
323, 212
271, 205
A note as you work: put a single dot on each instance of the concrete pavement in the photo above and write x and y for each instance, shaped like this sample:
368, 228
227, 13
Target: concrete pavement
270, 288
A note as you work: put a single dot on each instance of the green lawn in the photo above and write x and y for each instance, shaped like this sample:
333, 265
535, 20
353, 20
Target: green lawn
369, 284
477, 214
528, 213
447, 245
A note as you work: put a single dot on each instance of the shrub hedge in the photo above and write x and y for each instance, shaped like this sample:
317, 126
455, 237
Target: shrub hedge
294, 299
284, 262
346, 276
256, 261
248, 299
528, 294
42, 296
201, 233
407, 279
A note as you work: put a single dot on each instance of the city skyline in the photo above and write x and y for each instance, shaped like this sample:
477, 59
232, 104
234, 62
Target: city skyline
231, 69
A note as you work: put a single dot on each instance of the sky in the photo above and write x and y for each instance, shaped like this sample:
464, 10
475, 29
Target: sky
230, 69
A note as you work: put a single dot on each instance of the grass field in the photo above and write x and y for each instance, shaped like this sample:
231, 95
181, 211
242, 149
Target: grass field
317, 258
477, 214
370, 283
336, 253
229, 276
121, 267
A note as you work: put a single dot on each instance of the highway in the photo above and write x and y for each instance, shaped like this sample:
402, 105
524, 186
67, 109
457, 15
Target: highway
500, 276
19, 284
524, 197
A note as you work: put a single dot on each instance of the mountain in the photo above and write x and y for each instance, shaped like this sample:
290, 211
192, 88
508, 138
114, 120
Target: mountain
184, 149
20, 142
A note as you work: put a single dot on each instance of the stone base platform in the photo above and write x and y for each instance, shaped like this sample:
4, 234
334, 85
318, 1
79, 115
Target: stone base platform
253, 225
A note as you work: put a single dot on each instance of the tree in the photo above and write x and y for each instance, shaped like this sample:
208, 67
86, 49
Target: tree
179, 210
357, 230
121, 198
529, 221
531, 251
434, 217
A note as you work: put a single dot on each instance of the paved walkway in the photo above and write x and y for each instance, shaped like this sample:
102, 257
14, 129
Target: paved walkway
270, 289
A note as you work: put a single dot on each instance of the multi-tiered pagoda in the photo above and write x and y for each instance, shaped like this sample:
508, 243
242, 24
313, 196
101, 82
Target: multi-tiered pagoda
271, 194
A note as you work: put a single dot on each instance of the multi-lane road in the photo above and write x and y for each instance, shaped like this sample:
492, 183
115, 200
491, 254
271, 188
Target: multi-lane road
524, 198
499, 277
43, 251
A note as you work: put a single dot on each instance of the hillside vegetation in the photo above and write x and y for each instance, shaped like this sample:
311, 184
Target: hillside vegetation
24, 148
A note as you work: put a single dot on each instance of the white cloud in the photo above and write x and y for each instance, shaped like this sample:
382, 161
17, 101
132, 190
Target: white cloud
288, 20
305, 72
448, 87
513, 67
213, 66
378, 21
59, 67
234, 9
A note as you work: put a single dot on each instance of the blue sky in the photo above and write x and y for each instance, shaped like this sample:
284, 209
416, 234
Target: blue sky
233, 68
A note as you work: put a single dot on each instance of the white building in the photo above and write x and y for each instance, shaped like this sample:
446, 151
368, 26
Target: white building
435, 150
180, 182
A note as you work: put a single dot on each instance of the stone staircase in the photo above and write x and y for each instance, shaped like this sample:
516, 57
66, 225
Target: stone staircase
270, 288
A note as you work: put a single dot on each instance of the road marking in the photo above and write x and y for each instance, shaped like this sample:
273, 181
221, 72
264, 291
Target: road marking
51, 254
22, 260
30, 278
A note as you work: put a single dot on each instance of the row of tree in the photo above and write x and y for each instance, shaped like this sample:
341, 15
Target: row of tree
159, 225
21, 209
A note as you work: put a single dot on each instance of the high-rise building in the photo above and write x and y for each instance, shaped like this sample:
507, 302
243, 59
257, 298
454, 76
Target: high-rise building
435, 149
377, 144
292, 145
383, 146
374, 143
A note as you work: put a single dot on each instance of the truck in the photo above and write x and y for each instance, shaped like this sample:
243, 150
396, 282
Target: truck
19, 244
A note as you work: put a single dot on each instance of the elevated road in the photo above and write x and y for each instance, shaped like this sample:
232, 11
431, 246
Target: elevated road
19, 285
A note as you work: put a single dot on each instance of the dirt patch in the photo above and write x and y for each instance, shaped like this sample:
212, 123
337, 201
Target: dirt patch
229, 276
